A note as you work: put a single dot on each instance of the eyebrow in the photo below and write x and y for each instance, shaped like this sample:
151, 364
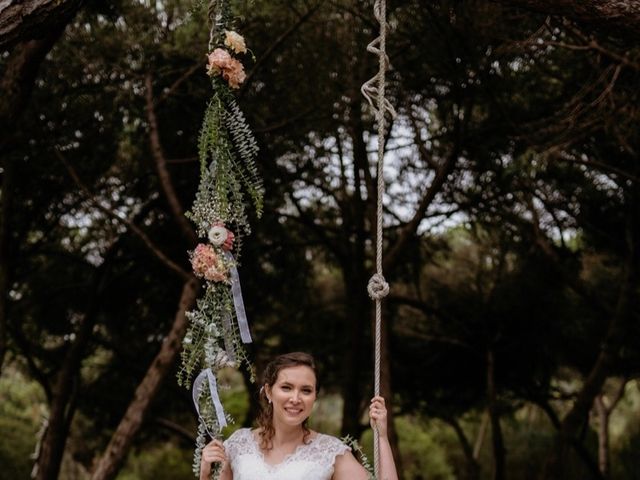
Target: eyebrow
291, 385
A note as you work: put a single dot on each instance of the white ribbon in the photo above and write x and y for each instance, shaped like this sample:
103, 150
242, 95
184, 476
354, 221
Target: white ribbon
241, 315
215, 398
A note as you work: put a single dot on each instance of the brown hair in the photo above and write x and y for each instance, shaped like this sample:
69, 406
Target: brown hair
269, 377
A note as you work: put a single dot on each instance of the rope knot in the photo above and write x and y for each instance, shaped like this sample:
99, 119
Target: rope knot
377, 287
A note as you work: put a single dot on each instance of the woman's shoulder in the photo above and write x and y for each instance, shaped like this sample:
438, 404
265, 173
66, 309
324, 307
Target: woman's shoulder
240, 436
330, 444
240, 432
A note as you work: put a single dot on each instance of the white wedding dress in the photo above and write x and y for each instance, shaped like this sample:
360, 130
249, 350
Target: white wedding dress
312, 461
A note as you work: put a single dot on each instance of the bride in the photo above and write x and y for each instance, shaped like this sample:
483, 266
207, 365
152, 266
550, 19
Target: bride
283, 447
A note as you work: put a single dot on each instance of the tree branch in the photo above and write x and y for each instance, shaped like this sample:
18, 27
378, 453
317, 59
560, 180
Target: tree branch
152, 247
177, 429
274, 46
320, 232
417, 139
175, 85
411, 227
617, 17
161, 167
286, 122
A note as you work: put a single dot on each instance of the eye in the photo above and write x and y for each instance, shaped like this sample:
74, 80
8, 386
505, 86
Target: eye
286, 388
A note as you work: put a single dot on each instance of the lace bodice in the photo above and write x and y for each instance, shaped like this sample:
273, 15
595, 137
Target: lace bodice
313, 461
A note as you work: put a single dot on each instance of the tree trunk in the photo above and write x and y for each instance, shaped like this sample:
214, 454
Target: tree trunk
473, 467
5, 255
575, 444
160, 162
62, 404
16, 86
355, 281
578, 415
604, 414
603, 435
357, 312
22, 20
25, 59
57, 431
17, 82
116, 452
494, 414
481, 435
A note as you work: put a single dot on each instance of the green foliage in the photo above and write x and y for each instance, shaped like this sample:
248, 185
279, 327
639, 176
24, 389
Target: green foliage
210, 324
422, 455
358, 452
226, 149
234, 396
626, 464
22, 410
159, 462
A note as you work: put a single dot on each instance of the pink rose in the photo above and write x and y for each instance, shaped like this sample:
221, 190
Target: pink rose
220, 62
207, 264
234, 73
228, 243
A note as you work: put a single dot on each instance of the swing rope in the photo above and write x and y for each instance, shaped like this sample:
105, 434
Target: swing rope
377, 287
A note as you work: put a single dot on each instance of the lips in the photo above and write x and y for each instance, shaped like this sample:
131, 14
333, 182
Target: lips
294, 411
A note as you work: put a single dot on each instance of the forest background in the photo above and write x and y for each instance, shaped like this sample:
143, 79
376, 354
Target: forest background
512, 230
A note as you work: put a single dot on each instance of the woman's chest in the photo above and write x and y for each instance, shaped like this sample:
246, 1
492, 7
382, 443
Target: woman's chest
252, 466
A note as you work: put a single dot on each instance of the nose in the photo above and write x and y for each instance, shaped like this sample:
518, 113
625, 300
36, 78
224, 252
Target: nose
295, 396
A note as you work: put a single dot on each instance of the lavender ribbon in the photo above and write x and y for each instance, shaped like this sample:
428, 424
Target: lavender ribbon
241, 315
215, 398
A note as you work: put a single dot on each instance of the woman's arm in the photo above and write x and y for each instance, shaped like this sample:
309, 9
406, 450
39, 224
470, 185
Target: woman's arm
378, 418
215, 452
348, 468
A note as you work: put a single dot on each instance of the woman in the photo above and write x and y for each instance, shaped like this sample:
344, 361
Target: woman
283, 447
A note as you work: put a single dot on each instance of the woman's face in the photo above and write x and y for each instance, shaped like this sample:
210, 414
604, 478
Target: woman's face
293, 395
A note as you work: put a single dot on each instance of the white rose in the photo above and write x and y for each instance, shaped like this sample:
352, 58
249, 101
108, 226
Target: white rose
218, 235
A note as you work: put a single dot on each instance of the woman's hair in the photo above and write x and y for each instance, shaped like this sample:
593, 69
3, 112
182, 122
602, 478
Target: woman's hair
269, 377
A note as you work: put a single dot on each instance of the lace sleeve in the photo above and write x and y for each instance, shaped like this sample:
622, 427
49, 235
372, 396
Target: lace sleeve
237, 443
331, 447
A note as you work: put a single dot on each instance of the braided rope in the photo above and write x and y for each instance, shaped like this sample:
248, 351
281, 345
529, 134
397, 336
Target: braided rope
378, 288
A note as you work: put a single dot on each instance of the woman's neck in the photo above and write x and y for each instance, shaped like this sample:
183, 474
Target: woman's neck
287, 434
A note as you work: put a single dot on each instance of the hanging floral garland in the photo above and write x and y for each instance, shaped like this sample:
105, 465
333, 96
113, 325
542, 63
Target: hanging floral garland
227, 150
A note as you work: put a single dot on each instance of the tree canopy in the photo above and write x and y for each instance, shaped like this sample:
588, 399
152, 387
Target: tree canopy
511, 229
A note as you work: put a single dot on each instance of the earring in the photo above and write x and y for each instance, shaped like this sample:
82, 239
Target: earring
269, 400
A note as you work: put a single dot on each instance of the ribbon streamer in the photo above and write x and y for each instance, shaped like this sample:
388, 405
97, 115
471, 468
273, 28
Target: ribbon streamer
215, 398
241, 315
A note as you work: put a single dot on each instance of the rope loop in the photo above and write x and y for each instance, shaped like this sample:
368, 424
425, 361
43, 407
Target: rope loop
377, 287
